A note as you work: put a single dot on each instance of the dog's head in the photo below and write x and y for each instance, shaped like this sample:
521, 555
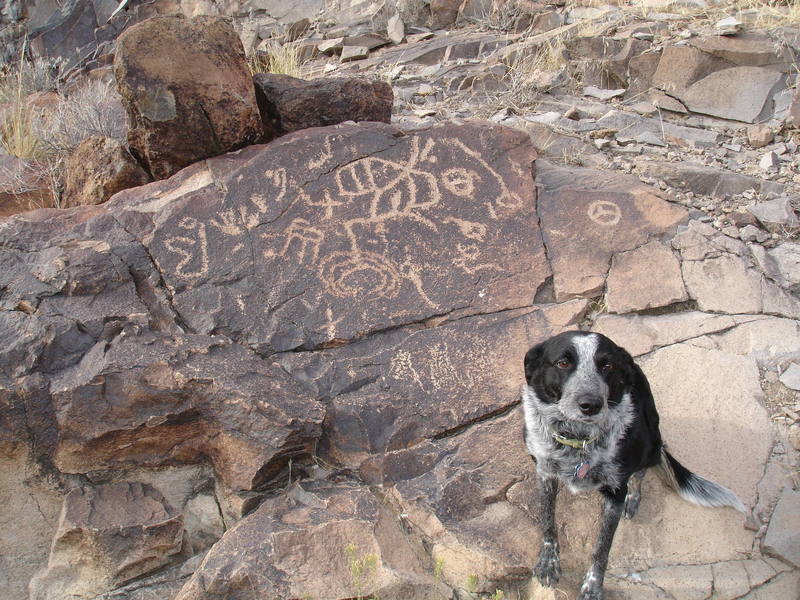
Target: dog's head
582, 375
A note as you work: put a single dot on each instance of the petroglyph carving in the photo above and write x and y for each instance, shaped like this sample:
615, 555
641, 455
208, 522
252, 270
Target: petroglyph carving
469, 229
324, 156
604, 212
441, 367
260, 203
308, 237
192, 249
460, 182
360, 275
368, 196
402, 368
468, 257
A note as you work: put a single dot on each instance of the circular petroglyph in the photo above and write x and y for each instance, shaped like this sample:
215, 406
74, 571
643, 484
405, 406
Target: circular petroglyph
360, 275
459, 181
604, 213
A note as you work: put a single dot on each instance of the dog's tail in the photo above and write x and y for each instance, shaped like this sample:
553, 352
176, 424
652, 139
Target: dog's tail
694, 488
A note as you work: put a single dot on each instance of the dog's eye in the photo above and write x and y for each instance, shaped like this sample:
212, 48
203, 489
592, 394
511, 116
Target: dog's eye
563, 363
606, 368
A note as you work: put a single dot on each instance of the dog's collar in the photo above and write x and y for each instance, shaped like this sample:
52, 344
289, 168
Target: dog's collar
579, 444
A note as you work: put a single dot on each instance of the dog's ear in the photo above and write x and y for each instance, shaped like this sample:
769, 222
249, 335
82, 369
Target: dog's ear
533, 358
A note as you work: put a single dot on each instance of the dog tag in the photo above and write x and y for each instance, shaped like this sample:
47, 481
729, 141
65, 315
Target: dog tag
581, 469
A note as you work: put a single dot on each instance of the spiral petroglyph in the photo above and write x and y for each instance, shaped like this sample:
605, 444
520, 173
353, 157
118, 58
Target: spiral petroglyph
360, 275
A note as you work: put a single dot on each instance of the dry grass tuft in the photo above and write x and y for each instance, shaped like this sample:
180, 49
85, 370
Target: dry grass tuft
279, 59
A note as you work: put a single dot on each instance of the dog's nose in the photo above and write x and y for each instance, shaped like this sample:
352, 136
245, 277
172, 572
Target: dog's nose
590, 405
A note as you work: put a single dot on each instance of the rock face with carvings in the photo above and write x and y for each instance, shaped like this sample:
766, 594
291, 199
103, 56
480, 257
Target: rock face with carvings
305, 357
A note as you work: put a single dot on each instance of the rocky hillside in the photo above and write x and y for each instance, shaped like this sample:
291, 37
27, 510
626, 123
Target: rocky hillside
273, 348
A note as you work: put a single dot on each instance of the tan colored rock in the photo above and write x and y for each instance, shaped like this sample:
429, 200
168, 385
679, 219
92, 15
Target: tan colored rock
106, 536
688, 582
760, 135
27, 521
642, 334
187, 89
681, 66
726, 438
769, 340
783, 535
99, 168
783, 587
646, 277
396, 29
319, 540
584, 224
754, 88
723, 284
794, 110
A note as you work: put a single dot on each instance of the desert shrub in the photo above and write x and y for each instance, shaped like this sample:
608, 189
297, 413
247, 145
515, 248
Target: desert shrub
45, 137
92, 109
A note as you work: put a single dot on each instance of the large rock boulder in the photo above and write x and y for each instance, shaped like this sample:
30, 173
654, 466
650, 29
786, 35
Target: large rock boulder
320, 540
187, 90
289, 104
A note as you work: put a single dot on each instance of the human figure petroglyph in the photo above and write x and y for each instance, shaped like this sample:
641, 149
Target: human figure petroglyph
279, 192
192, 249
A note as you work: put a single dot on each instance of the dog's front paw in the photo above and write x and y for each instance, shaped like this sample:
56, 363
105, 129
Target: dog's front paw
632, 500
548, 567
592, 588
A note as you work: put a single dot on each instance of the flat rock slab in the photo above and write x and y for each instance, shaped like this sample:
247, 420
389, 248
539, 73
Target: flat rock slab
707, 180
283, 248
646, 277
588, 216
783, 536
754, 89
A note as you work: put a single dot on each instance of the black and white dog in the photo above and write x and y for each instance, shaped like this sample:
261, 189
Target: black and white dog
591, 423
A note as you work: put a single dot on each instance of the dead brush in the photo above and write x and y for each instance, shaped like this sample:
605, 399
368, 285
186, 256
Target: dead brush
281, 59
529, 72
43, 139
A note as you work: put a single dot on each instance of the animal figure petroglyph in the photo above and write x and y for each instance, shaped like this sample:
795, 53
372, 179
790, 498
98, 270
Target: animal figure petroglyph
191, 248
